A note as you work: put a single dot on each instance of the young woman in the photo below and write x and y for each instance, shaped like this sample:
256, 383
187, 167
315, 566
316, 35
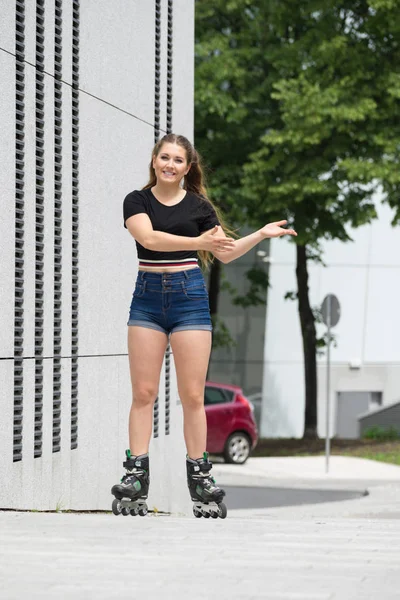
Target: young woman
174, 225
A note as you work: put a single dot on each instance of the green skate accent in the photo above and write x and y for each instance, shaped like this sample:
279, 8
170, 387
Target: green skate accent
128, 454
203, 492
137, 485
199, 490
205, 456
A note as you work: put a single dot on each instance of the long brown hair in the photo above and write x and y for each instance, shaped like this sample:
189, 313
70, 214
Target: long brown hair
194, 181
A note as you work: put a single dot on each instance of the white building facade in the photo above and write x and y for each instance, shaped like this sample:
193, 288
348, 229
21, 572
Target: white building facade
87, 89
365, 358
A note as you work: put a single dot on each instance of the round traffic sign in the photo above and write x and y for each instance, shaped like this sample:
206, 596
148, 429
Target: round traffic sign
330, 310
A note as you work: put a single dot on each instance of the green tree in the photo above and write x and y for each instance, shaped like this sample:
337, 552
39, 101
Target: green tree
316, 88
231, 111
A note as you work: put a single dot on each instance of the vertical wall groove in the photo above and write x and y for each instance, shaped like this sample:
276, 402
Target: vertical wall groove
75, 224
19, 227
169, 65
157, 88
169, 130
57, 299
167, 388
39, 227
157, 104
155, 417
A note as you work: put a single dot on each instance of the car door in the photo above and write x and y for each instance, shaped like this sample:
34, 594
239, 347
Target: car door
219, 411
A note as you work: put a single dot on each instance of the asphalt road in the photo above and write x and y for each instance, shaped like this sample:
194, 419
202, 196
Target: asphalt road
269, 497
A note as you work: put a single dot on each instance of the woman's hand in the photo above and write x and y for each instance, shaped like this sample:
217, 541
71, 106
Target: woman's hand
276, 230
215, 240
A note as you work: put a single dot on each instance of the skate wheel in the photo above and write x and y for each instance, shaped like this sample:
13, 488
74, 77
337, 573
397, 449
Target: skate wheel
116, 507
125, 511
143, 511
205, 514
197, 513
134, 512
214, 515
222, 511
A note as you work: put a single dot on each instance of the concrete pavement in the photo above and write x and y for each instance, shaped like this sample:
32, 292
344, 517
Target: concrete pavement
346, 550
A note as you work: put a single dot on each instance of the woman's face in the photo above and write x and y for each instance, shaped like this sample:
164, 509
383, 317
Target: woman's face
170, 164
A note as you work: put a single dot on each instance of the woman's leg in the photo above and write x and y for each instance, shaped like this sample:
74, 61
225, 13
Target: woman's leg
191, 350
146, 352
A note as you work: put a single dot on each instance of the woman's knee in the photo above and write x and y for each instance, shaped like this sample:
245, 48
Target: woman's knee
192, 399
144, 396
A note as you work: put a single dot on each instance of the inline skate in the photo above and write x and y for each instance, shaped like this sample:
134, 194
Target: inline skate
131, 493
206, 495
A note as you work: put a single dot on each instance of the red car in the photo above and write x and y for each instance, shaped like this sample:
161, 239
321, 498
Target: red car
231, 428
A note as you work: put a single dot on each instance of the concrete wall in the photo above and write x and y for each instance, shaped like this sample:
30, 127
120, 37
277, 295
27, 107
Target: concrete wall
364, 275
116, 135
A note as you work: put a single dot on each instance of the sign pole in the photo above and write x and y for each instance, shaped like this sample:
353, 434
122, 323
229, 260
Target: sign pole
330, 310
328, 386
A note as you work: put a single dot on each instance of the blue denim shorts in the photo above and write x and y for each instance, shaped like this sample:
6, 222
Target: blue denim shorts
171, 302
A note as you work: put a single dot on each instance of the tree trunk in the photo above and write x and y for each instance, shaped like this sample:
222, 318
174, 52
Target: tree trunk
214, 287
213, 295
308, 331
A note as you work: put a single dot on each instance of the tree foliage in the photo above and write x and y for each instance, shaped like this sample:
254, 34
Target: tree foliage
297, 114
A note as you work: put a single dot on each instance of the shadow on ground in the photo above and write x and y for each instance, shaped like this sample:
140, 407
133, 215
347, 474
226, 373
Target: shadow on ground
269, 497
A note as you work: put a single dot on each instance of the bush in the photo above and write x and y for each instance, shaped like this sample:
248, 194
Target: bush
381, 433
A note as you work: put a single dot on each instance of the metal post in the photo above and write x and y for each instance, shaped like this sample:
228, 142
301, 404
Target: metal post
328, 386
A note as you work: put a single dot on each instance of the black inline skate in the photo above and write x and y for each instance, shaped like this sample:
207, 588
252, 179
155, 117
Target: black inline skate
131, 493
206, 495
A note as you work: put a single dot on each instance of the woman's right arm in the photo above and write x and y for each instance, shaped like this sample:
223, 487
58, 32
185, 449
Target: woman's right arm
140, 227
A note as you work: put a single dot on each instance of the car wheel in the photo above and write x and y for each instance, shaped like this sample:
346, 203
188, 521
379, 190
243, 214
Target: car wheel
237, 448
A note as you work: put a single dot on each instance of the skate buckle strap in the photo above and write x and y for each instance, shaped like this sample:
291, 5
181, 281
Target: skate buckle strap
132, 463
208, 479
136, 471
206, 467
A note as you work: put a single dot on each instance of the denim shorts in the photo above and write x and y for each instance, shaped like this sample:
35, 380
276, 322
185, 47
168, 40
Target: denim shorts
171, 302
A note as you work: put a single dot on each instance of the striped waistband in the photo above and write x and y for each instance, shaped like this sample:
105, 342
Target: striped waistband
168, 263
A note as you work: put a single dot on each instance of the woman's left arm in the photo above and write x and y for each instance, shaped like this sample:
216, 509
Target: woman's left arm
244, 244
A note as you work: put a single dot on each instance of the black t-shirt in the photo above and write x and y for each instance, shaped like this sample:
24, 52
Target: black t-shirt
190, 217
